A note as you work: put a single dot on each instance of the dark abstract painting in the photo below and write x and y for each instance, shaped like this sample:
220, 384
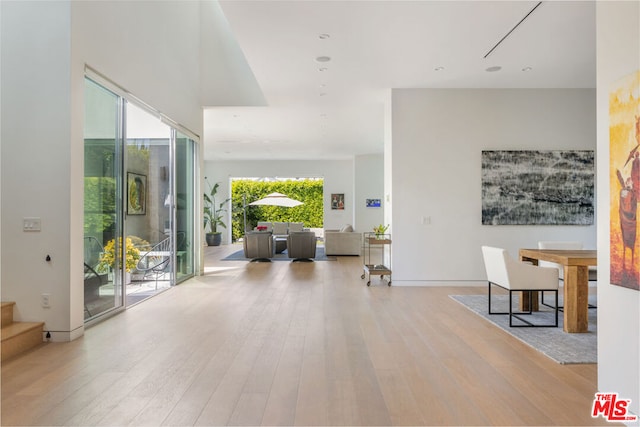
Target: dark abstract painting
538, 187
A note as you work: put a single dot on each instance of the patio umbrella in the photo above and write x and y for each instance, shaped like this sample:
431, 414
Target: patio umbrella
277, 199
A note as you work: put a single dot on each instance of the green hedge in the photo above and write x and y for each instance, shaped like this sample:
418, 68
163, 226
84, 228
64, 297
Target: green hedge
99, 205
309, 191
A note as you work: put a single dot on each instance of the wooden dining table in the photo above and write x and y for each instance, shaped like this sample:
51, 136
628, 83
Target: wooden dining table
576, 283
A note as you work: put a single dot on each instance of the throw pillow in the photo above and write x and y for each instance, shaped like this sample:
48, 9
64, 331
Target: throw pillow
346, 229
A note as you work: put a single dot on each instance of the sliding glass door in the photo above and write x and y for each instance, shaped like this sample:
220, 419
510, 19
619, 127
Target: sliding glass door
148, 215
185, 157
139, 202
103, 145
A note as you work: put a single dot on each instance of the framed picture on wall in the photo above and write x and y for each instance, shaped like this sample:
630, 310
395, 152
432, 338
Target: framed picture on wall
337, 201
373, 203
624, 181
538, 187
136, 194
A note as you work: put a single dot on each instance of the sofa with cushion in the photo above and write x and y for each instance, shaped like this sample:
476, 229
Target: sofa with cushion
342, 242
264, 226
280, 228
296, 226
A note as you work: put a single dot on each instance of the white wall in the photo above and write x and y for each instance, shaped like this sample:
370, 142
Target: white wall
229, 82
152, 49
149, 48
388, 164
369, 179
338, 178
36, 154
437, 139
618, 49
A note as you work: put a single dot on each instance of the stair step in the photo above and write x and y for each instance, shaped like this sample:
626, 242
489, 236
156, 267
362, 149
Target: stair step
7, 313
20, 337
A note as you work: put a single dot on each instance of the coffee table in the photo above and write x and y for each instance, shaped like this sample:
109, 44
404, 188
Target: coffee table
281, 243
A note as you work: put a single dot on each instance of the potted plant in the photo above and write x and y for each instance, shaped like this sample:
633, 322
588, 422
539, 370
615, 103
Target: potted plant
108, 257
213, 215
380, 230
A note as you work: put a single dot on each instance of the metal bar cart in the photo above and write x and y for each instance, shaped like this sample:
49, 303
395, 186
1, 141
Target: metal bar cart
380, 243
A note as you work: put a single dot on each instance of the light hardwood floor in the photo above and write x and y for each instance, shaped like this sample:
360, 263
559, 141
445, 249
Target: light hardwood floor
295, 344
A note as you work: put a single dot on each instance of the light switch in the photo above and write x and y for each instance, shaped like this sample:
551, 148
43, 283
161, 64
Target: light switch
31, 224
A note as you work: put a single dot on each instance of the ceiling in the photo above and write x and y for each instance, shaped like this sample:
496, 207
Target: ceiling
335, 109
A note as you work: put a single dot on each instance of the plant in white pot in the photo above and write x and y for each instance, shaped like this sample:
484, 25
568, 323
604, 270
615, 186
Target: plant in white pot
109, 256
213, 215
380, 230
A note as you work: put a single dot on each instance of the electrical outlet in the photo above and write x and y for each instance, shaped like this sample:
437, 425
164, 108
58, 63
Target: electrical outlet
46, 300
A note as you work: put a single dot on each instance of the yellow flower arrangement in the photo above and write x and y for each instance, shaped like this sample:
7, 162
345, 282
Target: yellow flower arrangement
108, 258
380, 229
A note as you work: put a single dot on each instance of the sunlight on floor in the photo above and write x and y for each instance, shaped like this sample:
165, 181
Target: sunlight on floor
214, 270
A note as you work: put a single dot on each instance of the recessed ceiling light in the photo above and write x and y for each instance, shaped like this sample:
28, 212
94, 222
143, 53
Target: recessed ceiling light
438, 69
494, 68
526, 69
323, 93
323, 59
322, 69
324, 36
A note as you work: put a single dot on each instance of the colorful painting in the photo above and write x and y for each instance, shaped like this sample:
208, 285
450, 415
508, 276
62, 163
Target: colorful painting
624, 181
136, 194
538, 187
337, 201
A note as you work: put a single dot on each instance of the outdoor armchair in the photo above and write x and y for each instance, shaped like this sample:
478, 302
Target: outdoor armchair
259, 246
301, 245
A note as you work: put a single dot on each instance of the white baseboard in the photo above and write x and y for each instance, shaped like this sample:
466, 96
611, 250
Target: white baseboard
438, 283
63, 336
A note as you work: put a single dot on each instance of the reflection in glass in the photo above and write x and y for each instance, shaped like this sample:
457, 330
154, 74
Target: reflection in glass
139, 184
148, 218
102, 212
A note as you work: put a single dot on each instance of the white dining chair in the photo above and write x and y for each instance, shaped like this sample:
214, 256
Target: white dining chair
515, 276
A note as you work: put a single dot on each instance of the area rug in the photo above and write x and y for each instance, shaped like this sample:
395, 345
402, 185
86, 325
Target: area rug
556, 344
284, 256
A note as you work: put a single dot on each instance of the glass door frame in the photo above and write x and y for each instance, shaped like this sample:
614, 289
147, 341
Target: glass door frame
117, 165
190, 235
155, 143
124, 97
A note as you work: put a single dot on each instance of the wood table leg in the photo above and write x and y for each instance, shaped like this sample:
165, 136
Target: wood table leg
529, 301
576, 298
